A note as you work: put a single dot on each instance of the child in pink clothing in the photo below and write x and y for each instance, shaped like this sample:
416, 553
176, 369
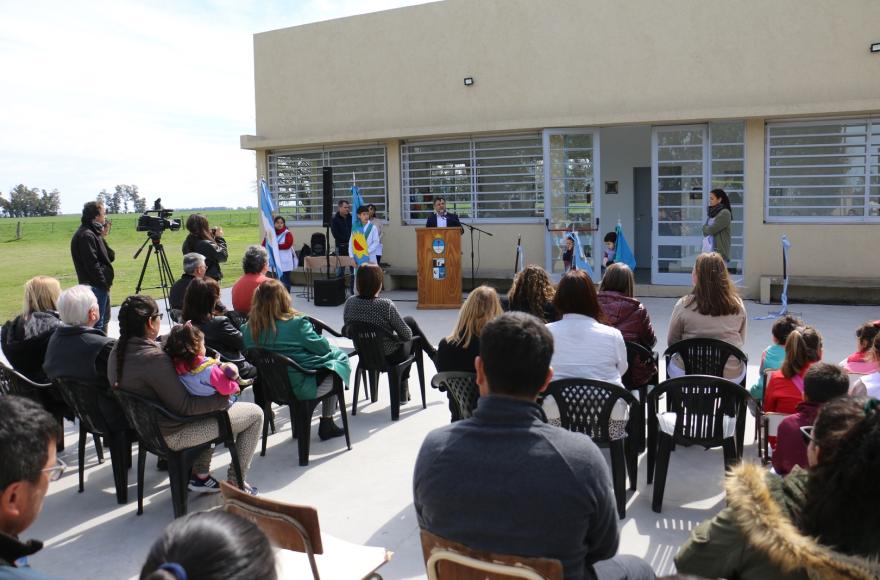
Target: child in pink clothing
862, 362
201, 376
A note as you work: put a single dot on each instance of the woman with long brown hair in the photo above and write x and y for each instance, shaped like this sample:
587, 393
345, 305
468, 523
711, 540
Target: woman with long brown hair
207, 241
712, 310
532, 292
625, 313
276, 326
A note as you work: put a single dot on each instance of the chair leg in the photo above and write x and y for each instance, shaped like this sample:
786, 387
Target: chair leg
340, 397
420, 364
367, 395
142, 463
302, 421
267, 412
118, 446
236, 463
632, 462
652, 442
618, 476
741, 428
82, 455
664, 450
374, 386
178, 480
731, 456
99, 449
60, 420
357, 387
394, 379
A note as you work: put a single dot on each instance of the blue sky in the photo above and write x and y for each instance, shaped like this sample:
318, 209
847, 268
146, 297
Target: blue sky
156, 94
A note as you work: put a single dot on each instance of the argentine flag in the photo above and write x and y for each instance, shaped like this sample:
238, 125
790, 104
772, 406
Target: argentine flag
267, 222
622, 251
578, 256
361, 253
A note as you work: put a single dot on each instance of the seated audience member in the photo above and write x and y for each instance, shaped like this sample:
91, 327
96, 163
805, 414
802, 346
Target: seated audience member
193, 267
785, 389
366, 306
818, 523
25, 338
139, 365
27, 454
628, 315
870, 384
211, 545
255, 264
476, 480
275, 325
862, 361
199, 308
712, 310
532, 292
201, 376
77, 350
774, 355
822, 383
457, 351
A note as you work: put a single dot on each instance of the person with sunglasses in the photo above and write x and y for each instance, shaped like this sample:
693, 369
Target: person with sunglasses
28, 435
815, 523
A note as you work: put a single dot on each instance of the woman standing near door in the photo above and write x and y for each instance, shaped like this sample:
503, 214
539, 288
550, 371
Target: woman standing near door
717, 228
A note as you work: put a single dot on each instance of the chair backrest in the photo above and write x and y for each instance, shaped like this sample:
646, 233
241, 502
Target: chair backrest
447, 560
700, 403
15, 383
585, 406
84, 398
5, 379
704, 356
320, 326
318, 244
176, 315
636, 354
773, 421
143, 415
368, 339
272, 377
236, 318
463, 388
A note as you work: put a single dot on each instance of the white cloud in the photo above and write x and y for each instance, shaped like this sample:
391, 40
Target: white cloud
95, 94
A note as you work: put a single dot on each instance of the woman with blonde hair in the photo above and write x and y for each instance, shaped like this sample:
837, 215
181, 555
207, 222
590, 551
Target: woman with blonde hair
712, 310
276, 326
25, 338
532, 292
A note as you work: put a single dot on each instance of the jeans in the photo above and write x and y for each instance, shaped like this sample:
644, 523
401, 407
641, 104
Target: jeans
623, 567
103, 296
285, 279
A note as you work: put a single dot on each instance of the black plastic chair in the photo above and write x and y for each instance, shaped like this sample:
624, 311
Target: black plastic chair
462, 390
87, 401
15, 383
273, 383
585, 406
321, 327
700, 404
636, 354
368, 340
144, 415
176, 315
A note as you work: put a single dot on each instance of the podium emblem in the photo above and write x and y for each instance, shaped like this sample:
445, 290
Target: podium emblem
438, 245
438, 267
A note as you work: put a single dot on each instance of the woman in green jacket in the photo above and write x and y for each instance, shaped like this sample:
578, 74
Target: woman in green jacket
820, 523
717, 228
276, 326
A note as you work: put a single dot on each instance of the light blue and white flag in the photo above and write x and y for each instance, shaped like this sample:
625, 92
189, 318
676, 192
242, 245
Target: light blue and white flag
267, 223
622, 252
579, 259
783, 310
359, 234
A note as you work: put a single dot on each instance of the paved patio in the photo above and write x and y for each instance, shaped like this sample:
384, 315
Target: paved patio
365, 495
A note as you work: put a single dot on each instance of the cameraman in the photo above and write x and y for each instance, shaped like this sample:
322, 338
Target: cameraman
93, 258
207, 241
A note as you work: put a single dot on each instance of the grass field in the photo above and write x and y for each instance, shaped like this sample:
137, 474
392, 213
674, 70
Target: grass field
44, 249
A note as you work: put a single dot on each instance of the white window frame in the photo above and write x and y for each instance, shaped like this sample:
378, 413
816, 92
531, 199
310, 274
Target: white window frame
471, 142
872, 125
338, 192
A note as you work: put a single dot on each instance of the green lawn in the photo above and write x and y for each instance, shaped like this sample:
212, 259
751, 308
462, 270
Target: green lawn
44, 248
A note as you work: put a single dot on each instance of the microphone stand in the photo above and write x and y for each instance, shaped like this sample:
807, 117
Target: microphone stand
472, 229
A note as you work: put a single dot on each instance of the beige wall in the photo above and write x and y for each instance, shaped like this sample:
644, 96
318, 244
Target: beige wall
561, 63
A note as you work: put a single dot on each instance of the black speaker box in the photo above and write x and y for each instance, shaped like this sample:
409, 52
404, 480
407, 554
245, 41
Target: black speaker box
330, 292
327, 207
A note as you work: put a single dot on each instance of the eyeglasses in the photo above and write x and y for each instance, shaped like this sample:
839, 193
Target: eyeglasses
807, 432
57, 471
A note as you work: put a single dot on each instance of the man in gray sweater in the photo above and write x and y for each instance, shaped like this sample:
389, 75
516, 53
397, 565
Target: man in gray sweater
506, 482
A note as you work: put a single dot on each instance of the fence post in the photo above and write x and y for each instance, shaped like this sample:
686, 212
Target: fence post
18, 230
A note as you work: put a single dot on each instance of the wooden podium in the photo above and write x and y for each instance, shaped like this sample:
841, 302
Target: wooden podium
438, 255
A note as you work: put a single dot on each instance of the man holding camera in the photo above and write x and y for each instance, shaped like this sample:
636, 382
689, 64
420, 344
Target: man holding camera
93, 258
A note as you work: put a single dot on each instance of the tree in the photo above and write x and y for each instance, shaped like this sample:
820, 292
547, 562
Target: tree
115, 203
49, 202
103, 198
140, 205
129, 193
26, 202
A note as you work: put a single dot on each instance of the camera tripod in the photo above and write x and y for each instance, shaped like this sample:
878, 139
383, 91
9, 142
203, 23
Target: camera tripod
166, 277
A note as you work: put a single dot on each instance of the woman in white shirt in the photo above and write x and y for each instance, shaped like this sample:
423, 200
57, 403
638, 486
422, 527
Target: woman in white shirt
583, 346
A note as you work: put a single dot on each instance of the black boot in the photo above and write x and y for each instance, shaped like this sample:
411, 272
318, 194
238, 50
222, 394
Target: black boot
327, 429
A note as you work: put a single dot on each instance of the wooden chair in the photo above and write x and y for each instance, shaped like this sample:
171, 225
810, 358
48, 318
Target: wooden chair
447, 560
701, 410
462, 389
293, 527
585, 406
273, 385
13, 382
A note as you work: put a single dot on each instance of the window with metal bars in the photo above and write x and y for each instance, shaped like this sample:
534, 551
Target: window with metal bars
823, 171
488, 179
295, 179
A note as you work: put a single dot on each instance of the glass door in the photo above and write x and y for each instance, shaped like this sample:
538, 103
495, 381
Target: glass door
571, 200
679, 166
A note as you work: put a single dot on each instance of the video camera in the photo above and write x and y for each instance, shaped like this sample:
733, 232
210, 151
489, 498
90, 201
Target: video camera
158, 223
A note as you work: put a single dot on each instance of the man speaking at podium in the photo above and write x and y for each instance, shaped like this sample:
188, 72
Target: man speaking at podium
441, 218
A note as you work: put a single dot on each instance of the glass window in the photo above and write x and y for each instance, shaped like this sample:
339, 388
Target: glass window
295, 179
823, 171
498, 179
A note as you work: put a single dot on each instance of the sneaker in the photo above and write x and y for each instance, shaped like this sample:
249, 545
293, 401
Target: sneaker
207, 485
247, 488
245, 382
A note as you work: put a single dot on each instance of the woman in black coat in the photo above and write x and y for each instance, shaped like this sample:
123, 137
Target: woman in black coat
207, 241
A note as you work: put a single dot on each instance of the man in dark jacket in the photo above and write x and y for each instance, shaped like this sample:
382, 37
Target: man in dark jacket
442, 218
93, 258
340, 227
506, 482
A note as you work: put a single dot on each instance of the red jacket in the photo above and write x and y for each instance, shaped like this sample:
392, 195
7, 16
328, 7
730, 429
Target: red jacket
629, 316
286, 244
782, 395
